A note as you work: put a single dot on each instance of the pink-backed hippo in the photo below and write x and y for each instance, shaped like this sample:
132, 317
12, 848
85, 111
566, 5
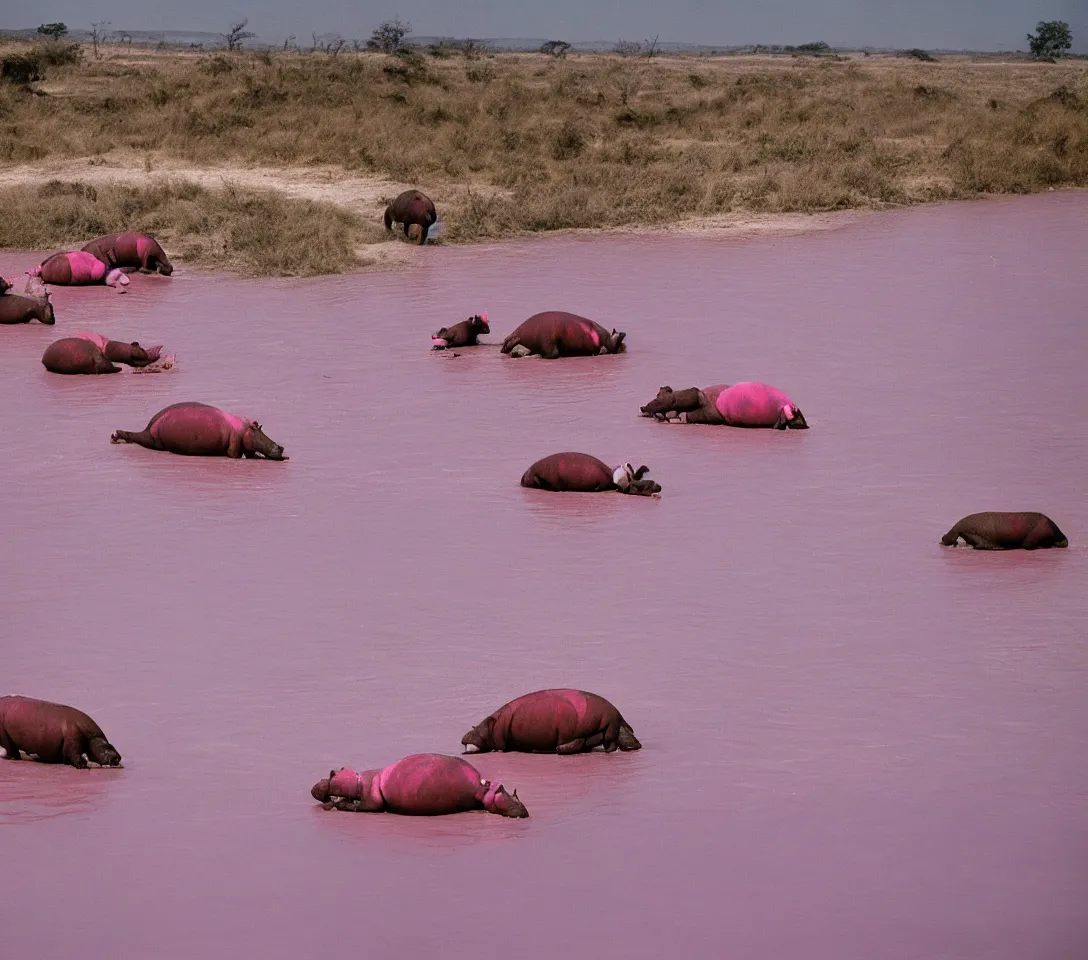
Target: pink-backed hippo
461, 334
412, 207
582, 473
996, 530
739, 405
131, 251
24, 307
76, 355
118, 351
53, 733
198, 429
78, 269
553, 721
554, 333
425, 784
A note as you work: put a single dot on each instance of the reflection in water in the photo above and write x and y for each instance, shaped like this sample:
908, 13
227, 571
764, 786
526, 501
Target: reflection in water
857, 743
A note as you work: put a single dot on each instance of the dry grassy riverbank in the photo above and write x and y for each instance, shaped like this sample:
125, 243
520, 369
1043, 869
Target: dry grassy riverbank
313, 146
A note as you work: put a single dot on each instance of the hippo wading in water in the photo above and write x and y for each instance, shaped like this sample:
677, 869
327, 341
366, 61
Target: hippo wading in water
739, 405
461, 334
412, 207
131, 251
53, 733
201, 430
93, 353
994, 530
79, 269
32, 304
554, 334
581, 473
425, 784
553, 721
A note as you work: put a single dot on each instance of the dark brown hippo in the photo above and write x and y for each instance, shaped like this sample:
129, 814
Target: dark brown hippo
461, 334
53, 733
425, 784
76, 355
580, 472
996, 530
555, 333
739, 405
412, 207
23, 307
120, 352
131, 251
553, 721
198, 429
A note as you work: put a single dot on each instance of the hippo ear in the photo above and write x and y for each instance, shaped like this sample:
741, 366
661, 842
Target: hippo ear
135, 343
515, 793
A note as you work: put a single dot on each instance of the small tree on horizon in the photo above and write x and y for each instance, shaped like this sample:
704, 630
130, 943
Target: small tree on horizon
99, 34
53, 30
1052, 38
555, 48
388, 37
237, 34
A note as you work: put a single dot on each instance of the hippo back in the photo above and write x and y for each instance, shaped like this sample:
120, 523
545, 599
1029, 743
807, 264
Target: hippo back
540, 721
428, 784
101, 246
750, 404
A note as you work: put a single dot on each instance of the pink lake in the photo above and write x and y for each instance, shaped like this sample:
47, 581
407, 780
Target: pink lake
857, 743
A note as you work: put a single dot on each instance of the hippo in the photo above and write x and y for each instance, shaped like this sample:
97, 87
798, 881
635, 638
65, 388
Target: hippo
198, 429
553, 721
24, 307
79, 269
461, 334
739, 405
583, 473
76, 355
53, 733
424, 784
118, 351
412, 207
996, 530
555, 334
131, 251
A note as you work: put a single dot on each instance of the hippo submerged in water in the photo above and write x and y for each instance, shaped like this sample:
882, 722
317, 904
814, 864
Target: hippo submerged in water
739, 405
412, 207
553, 721
79, 269
425, 784
131, 251
198, 429
554, 334
461, 334
53, 733
994, 530
582, 473
93, 353
32, 304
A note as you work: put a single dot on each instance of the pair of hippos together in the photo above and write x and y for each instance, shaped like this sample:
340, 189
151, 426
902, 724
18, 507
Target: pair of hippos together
106, 259
559, 721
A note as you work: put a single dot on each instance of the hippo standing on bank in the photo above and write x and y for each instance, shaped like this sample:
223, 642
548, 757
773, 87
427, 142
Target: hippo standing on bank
461, 334
739, 405
553, 721
79, 269
412, 207
198, 429
425, 784
131, 251
995, 530
582, 473
554, 334
52, 732
32, 304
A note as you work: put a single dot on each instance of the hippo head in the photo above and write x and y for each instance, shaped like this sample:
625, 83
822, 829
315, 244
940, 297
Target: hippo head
164, 266
478, 324
613, 343
629, 480
256, 443
792, 417
497, 800
661, 405
344, 783
478, 739
5, 284
103, 752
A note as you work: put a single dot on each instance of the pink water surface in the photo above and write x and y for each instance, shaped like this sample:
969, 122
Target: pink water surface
857, 744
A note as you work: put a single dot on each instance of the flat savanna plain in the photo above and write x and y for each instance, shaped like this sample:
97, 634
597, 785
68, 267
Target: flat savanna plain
281, 163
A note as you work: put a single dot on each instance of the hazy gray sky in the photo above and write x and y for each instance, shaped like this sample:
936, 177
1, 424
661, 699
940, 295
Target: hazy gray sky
956, 24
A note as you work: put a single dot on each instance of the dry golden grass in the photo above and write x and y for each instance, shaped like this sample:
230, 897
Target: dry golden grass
517, 143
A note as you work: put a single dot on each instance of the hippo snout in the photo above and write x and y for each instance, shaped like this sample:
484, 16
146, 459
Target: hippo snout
320, 791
